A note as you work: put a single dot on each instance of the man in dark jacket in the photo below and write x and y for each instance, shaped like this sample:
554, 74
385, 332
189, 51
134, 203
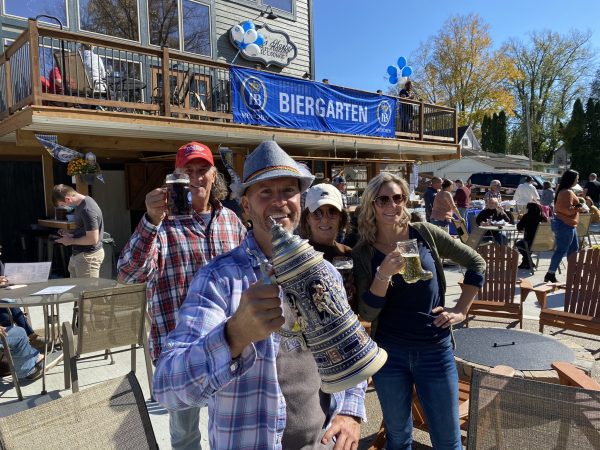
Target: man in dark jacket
436, 185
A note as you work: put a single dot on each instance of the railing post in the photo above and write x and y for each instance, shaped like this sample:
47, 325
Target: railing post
456, 127
166, 90
9, 85
34, 57
421, 120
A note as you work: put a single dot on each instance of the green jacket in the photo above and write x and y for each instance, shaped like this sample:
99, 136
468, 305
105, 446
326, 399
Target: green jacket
442, 245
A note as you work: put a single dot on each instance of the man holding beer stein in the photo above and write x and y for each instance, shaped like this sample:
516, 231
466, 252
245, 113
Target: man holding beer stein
262, 391
400, 286
185, 226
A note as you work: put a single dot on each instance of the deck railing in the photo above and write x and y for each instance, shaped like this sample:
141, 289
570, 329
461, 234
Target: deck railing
130, 78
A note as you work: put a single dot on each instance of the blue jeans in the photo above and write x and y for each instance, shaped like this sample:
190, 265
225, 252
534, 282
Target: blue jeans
436, 379
23, 354
463, 213
184, 428
566, 243
17, 316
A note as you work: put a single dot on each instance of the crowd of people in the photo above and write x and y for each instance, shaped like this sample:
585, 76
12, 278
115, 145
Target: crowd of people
213, 315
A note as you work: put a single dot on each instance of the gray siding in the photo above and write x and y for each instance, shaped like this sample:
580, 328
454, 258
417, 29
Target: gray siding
228, 14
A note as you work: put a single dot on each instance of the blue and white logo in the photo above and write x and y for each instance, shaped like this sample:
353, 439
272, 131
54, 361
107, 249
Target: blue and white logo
384, 113
254, 94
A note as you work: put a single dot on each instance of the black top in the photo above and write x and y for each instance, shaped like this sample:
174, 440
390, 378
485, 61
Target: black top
331, 251
492, 214
593, 190
529, 224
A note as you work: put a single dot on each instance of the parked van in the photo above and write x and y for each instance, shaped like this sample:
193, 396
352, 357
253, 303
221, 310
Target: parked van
509, 180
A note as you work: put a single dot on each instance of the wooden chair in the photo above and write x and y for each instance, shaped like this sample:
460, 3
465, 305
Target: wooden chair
569, 375
582, 295
543, 241
497, 296
507, 413
418, 413
583, 228
5, 353
107, 319
112, 414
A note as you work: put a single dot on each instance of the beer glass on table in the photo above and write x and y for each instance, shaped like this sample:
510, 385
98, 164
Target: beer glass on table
411, 270
179, 199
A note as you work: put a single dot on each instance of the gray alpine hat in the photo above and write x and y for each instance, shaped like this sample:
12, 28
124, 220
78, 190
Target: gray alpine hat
269, 161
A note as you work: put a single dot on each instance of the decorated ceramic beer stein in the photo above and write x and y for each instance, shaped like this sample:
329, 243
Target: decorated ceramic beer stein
323, 322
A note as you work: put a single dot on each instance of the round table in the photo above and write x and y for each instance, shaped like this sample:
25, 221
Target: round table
529, 353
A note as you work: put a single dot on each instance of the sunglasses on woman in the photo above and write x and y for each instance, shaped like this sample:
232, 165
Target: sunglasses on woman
332, 213
384, 200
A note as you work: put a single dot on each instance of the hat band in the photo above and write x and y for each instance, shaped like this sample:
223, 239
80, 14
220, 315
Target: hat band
269, 169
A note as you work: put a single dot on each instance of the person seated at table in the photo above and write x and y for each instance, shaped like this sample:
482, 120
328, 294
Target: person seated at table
593, 209
18, 318
443, 206
528, 224
493, 212
26, 359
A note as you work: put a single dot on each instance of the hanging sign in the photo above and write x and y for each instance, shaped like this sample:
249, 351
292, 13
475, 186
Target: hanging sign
264, 98
263, 43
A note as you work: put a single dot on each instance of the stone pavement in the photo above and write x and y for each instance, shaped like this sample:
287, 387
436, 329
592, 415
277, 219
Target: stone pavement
96, 370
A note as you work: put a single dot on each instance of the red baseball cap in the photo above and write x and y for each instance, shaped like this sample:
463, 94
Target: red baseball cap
191, 151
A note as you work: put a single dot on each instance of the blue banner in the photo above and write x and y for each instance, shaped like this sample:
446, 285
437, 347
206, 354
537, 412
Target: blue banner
262, 98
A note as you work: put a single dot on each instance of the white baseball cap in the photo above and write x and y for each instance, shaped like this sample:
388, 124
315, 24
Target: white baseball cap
323, 194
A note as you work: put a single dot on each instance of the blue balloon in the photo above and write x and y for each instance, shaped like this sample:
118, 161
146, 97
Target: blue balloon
248, 25
401, 62
393, 79
392, 71
260, 40
407, 71
241, 45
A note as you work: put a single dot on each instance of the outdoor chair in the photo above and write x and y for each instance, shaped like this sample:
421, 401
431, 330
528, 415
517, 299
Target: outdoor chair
497, 296
110, 415
507, 413
543, 241
77, 79
475, 237
107, 319
583, 229
6, 355
418, 413
582, 295
461, 230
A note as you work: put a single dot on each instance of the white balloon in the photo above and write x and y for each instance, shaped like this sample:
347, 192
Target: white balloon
250, 36
402, 81
237, 33
252, 50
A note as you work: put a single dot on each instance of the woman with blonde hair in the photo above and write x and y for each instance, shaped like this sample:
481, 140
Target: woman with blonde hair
410, 320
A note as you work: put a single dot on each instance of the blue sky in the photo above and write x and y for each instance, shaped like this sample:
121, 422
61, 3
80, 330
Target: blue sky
356, 40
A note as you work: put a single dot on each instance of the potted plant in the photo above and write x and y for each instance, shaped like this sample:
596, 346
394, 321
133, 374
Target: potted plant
83, 168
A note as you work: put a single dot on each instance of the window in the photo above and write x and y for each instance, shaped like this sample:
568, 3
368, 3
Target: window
117, 18
25, 9
181, 25
283, 5
286, 8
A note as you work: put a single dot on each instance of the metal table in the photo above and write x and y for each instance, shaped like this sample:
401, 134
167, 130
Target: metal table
509, 229
26, 297
520, 350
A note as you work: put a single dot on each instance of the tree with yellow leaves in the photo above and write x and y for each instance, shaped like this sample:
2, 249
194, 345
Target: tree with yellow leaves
459, 68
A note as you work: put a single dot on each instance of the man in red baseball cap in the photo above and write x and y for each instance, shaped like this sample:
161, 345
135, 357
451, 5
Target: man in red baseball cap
166, 253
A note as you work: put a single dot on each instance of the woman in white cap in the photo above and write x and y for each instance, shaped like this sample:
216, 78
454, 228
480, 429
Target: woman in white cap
322, 219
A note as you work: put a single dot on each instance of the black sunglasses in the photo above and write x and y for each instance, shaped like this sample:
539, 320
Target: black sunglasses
384, 200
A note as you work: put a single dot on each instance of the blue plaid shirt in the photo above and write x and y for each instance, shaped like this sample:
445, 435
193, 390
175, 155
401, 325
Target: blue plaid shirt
246, 407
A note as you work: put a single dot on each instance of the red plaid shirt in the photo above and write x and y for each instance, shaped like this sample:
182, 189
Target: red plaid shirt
168, 256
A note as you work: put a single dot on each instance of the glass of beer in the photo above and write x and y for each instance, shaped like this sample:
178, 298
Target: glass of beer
179, 199
411, 270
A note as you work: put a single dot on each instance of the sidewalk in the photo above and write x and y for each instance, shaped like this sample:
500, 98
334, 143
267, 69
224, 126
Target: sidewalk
97, 370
